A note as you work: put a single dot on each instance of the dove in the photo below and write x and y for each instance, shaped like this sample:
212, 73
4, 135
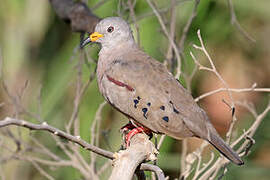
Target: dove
144, 90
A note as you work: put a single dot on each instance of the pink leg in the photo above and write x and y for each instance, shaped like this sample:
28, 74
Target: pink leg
130, 130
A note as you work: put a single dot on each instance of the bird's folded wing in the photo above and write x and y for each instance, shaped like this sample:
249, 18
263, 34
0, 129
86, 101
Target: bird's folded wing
148, 93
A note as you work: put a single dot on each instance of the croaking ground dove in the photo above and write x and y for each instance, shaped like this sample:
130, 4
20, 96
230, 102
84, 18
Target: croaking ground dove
145, 91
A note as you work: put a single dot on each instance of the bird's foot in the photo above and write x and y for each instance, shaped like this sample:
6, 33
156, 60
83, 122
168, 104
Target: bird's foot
130, 130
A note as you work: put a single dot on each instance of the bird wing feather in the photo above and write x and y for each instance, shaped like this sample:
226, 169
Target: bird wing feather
146, 91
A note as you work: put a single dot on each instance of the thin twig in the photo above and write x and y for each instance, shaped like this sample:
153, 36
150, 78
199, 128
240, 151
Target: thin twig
78, 99
46, 150
251, 131
162, 138
153, 168
213, 67
175, 48
169, 56
98, 4
134, 19
213, 170
42, 171
104, 167
94, 134
235, 22
214, 70
18, 106
44, 126
188, 25
74, 117
236, 90
81, 163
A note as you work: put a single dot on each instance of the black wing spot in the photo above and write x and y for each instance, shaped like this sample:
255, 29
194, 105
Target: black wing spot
144, 110
149, 104
166, 118
136, 101
167, 92
176, 111
162, 108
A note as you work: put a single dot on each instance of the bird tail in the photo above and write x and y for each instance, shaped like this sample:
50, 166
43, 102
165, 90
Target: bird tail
224, 149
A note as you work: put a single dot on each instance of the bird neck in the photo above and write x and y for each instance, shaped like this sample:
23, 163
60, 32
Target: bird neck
110, 46
108, 54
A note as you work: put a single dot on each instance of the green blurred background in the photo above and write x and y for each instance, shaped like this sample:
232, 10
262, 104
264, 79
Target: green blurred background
37, 46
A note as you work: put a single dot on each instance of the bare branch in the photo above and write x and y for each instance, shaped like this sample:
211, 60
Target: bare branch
221, 162
161, 141
44, 173
46, 150
236, 90
126, 162
175, 48
188, 25
44, 126
104, 167
235, 22
77, 14
251, 131
153, 168
100, 3
94, 134
80, 90
169, 61
134, 19
214, 70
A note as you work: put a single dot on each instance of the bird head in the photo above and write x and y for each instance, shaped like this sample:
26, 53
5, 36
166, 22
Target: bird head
110, 32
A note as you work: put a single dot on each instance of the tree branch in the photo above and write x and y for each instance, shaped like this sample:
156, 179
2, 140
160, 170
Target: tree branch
77, 14
235, 22
127, 161
45, 127
174, 46
153, 168
138, 142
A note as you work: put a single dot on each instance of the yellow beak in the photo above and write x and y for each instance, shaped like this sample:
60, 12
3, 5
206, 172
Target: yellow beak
95, 36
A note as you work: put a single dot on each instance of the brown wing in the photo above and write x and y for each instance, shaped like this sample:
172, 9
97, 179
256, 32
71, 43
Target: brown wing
144, 90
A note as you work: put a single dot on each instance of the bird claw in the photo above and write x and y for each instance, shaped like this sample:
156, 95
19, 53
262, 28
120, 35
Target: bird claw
131, 130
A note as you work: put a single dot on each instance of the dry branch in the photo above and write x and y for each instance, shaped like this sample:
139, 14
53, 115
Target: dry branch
174, 46
140, 140
235, 22
188, 25
45, 127
126, 162
221, 162
77, 14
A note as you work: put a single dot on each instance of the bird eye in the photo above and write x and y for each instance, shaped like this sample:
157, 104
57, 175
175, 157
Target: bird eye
110, 29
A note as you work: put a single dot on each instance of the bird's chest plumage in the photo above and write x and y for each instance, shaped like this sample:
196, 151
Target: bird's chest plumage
113, 90
142, 94
116, 92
